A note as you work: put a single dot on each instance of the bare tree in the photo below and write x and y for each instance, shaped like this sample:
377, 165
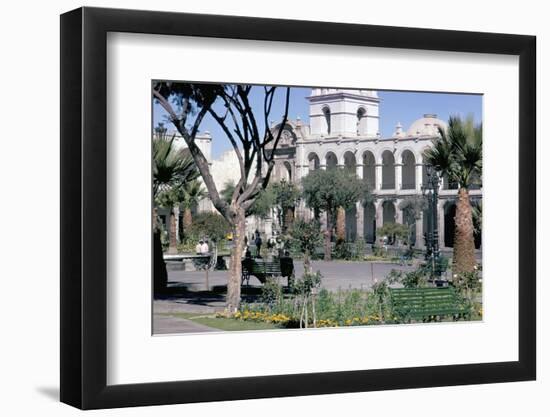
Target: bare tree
254, 144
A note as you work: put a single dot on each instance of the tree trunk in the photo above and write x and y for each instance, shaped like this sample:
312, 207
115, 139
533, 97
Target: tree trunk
233, 298
160, 275
464, 259
288, 219
340, 225
328, 237
187, 220
173, 246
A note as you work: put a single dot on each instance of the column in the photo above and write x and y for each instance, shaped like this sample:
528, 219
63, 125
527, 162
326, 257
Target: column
359, 171
398, 212
360, 220
418, 177
398, 169
379, 213
378, 177
359, 209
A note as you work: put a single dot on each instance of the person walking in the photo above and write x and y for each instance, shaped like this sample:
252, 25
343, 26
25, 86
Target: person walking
258, 244
198, 248
204, 248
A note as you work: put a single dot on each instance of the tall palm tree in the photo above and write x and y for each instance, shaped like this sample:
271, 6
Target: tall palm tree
457, 155
193, 193
172, 167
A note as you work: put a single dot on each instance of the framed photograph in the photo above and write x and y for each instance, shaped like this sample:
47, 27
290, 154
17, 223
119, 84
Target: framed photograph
257, 208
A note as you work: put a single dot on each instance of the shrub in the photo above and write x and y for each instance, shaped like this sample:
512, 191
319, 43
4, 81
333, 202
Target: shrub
305, 237
210, 225
272, 293
394, 231
360, 249
343, 250
410, 279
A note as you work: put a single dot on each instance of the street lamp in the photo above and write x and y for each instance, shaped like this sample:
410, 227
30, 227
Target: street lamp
430, 191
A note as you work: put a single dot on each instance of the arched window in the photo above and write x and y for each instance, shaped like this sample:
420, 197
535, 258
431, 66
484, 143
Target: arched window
313, 161
288, 173
361, 121
331, 161
326, 113
369, 169
408, 171
388, 170
349, 162
388, 212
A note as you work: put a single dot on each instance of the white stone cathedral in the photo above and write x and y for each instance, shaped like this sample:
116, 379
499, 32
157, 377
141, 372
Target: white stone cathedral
344, 132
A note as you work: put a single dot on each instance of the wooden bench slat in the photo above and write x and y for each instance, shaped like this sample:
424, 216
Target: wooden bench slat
424, 303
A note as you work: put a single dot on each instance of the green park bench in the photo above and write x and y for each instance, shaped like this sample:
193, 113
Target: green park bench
262, 269
426, 304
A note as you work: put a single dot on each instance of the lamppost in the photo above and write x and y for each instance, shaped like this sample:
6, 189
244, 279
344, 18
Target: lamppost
430, 191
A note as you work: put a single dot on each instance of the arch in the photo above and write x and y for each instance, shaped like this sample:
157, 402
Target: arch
477, 233
282, 172
449, 210
331, 161
327, 114
369, 223
388, 212
349, 161
388, 170
369, 169
422, 160
313, 161
361, 121
408, 170
410, 221
288, 169
449, 185
351, 224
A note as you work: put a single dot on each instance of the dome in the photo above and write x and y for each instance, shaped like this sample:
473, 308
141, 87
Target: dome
426, 126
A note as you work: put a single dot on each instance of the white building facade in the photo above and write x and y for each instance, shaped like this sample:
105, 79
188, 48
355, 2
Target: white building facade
344, 133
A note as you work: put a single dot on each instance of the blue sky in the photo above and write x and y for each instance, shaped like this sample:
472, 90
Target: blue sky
395, 106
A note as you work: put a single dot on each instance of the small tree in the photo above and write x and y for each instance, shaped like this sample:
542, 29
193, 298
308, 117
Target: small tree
210, 225
286, 196
192, 194
306, 236
170, 199
412, 208
394, 231
327, 190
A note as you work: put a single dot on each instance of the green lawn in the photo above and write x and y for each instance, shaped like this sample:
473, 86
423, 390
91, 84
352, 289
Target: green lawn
221, 323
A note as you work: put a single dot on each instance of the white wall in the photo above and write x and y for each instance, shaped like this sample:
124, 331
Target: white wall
30, 176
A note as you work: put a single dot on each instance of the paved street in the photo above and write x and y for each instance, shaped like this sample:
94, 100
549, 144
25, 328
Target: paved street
336, 274
170, 325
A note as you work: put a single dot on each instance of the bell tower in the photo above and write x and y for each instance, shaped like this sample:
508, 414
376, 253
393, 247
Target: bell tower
343, 112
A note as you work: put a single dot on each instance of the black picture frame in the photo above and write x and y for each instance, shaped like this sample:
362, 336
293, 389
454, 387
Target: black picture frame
84, 207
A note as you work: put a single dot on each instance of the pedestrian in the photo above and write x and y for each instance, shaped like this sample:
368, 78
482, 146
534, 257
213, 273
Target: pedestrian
198, 248
258, 243
204, 248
